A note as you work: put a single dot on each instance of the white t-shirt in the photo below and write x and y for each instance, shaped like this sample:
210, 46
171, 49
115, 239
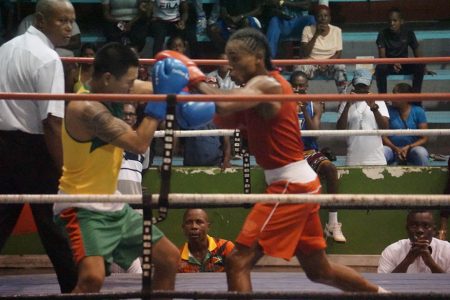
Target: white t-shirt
394, 254
130, 174
224, 83
167, 10
29, 64
325, 46
124, 10
364, 150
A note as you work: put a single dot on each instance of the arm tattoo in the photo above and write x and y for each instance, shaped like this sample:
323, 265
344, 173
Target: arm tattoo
103, 124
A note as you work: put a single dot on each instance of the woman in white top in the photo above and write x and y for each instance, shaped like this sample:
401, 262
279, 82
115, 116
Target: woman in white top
323, 41
363, 115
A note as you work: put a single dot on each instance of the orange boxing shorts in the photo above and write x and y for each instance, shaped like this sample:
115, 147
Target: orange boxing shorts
283, 229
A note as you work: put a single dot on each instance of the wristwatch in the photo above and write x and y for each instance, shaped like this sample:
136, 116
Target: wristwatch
374, 107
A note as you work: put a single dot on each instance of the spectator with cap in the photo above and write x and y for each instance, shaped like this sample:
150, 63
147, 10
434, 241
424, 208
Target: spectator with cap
363, 115
420, 252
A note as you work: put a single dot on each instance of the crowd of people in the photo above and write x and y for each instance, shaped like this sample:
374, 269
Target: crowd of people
91, 147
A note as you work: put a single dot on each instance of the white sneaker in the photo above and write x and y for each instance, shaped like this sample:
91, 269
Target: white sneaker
335, 231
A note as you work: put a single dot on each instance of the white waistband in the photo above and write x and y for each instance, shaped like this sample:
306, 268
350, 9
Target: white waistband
298, 171
58, 207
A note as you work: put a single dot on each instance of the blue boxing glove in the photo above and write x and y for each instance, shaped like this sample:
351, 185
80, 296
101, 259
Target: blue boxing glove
156, 110
169, 76
191, 115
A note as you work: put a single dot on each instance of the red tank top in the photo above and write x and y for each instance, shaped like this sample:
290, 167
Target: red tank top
275, 142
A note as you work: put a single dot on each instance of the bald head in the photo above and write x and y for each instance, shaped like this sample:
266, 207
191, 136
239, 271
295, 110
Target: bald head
47, 7
55, 18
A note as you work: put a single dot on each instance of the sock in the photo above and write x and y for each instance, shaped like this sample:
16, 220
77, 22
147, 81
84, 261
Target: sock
382, 291
332, 217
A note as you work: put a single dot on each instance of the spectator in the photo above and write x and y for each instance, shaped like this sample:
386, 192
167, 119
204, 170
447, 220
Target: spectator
406, 149
75, 39
363, 115
420, 252
133, 165
168, 19
85, 70
202, 253
206, 150
202, 20
290, 18
30, 130
125, 22
393, 42
323, 41
309, 117
222, 75
129, 181
234, 14
202, 150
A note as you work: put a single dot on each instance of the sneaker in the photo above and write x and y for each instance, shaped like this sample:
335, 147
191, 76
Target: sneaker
335, 231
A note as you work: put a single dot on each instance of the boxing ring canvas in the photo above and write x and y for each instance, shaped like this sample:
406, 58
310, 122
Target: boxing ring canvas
216, 282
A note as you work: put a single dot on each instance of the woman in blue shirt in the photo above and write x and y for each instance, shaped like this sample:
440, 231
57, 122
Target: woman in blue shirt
403, 115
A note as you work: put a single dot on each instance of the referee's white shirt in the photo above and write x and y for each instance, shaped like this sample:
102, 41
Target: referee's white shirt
29, 64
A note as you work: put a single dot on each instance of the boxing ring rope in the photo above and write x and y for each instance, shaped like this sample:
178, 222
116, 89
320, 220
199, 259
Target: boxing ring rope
284, 62
377, 201
231, 97
318, 133
358, 201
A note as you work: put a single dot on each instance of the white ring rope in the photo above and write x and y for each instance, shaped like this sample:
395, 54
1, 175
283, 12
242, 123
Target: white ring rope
216, 200
317, 133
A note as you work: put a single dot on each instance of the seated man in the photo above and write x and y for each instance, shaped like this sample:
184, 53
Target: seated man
393, 42
309, 116
202, 253
421, 252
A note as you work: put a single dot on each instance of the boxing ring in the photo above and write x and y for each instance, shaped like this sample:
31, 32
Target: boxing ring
273, 285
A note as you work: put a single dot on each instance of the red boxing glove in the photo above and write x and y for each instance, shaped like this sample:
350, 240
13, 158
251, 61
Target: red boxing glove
195, 74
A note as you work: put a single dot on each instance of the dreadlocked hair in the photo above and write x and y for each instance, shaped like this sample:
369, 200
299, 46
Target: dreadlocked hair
255, 41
